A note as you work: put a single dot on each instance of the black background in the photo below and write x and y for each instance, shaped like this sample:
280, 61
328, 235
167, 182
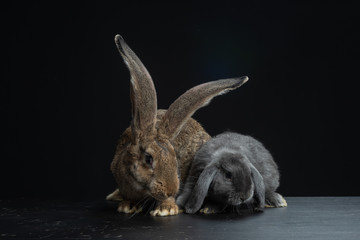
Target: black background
65, 90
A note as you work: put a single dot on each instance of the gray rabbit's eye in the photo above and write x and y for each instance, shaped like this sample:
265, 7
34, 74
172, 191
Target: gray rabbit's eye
228, 175
149, 159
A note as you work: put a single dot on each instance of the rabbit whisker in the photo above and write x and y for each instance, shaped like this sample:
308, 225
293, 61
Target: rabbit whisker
141, 203
151, 207
236, 209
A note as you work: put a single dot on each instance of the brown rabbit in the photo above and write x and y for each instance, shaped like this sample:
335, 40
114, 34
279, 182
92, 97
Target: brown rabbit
154, 154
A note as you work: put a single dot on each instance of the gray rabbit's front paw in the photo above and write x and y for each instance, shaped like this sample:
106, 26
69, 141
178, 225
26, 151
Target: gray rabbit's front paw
211, 208
275, 200
207, 211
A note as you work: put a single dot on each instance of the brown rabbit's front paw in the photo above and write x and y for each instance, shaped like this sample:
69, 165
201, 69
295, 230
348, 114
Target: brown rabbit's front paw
128, 207
167, 207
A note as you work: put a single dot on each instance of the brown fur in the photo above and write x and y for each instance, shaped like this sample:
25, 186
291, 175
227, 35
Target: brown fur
193, 99
128, 160
154, 154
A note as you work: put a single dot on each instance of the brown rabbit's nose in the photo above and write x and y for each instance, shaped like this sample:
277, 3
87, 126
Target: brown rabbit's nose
161, 191
172, 192
162, 196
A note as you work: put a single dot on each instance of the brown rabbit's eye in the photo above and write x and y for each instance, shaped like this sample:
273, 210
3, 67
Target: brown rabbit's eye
148, 159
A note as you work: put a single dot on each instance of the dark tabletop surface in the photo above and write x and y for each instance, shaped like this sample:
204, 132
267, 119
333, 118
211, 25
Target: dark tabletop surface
304, 218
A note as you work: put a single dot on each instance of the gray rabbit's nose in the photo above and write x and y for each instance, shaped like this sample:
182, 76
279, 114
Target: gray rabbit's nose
242, 200
236, 202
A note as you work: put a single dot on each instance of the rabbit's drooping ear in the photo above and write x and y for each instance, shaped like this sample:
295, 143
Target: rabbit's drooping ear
186, 105
201, 189
142, 91
259, 187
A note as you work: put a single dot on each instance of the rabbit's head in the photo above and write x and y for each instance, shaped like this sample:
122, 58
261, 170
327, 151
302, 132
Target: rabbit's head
150, 163
233, 182
230, 179
145, 153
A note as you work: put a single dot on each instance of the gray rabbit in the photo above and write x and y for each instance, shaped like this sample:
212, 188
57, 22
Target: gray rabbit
231, 169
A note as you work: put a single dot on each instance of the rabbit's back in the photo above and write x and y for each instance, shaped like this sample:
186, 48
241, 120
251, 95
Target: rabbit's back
187, 143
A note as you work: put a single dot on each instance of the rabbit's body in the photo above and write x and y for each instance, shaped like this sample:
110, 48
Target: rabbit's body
231, 169
154, 154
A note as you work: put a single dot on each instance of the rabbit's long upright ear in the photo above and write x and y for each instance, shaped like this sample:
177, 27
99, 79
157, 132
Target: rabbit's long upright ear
142, 91
259, 187
200, 190
193, 99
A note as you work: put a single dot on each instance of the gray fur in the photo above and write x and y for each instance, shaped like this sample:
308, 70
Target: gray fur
231, 169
